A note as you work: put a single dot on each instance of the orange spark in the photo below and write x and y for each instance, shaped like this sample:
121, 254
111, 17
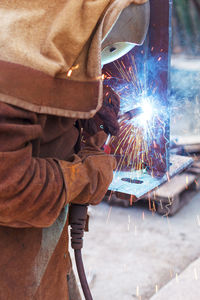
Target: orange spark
168, 178
69, 73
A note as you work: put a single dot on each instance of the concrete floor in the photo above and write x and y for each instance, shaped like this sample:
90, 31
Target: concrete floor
131, 253
185, 286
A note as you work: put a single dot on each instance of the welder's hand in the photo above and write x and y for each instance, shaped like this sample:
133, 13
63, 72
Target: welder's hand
89, 174
93, 144
109, 111
106, 118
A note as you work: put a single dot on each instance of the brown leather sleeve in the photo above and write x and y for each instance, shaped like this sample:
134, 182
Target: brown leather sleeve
32, 192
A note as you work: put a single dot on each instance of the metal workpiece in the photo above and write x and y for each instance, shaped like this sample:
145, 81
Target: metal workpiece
139, 183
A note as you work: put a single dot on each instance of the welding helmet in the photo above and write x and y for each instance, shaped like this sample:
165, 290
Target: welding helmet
129, 30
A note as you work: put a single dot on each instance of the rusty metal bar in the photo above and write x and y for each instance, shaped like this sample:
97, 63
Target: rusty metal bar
159, 54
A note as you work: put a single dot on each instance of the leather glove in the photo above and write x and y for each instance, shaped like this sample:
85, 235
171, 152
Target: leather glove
93, 144
89, 174
106, 118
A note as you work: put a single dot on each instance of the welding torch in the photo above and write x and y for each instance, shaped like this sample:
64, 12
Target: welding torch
128, 115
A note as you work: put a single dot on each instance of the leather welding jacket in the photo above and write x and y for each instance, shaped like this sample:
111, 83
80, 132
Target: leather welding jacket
50, 75
39, 176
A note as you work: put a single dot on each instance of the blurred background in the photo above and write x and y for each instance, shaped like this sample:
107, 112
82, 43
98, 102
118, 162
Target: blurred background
185, 71
186, 25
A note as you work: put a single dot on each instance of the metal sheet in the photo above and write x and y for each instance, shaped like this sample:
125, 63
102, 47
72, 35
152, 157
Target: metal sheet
144, 182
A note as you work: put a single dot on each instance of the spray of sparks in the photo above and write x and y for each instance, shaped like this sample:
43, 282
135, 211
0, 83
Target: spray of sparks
132, 146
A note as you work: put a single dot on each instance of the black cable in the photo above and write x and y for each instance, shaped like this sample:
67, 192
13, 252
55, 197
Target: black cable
82, 276
77, 221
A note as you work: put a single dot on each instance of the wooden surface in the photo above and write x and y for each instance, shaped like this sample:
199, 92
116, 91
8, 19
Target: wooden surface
194, 170
196, 164
175, 186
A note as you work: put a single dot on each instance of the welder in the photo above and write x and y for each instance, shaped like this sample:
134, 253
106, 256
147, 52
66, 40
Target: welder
50, 83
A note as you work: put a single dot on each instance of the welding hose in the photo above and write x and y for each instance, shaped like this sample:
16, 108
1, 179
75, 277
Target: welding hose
77, 221
82, 276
